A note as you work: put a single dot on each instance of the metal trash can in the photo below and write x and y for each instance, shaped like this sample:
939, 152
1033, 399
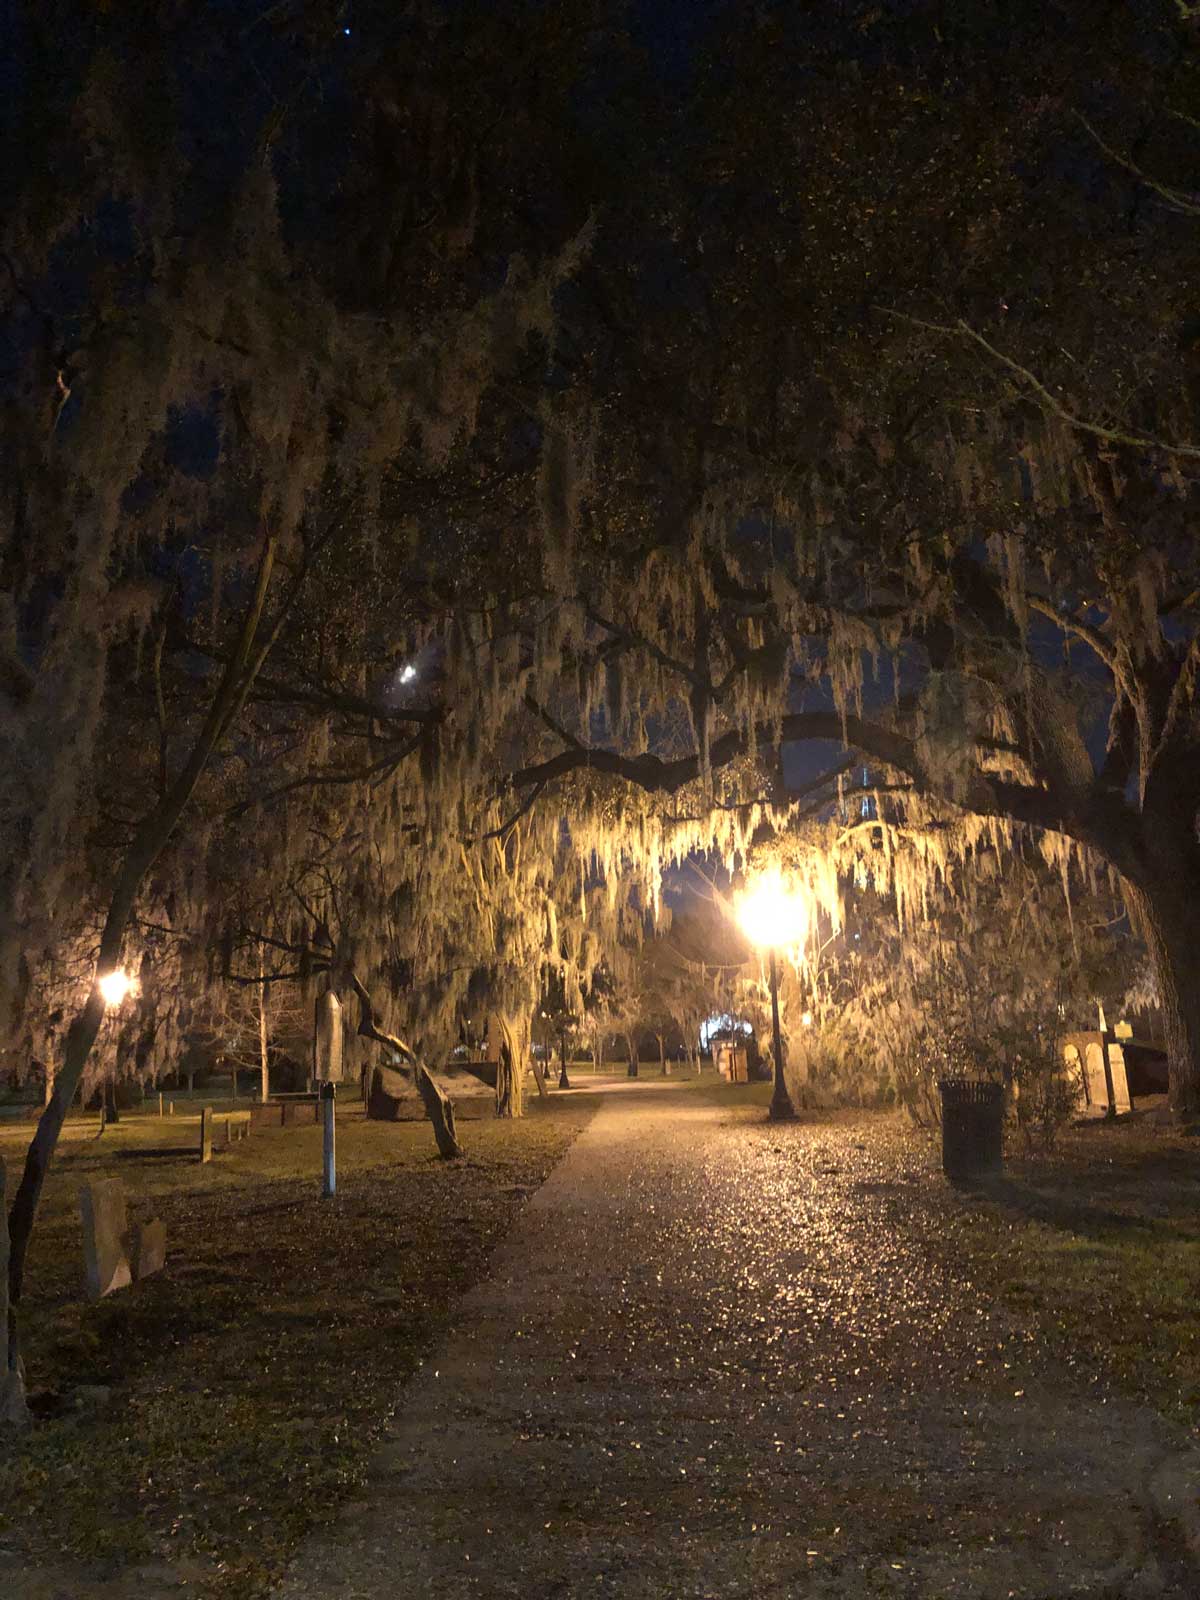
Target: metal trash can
972, 1127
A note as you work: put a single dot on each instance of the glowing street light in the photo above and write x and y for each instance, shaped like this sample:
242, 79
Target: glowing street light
771, 915
114, 986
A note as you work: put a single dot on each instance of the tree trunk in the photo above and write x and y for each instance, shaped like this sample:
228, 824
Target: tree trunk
1166, 913
662, 1057
13, 1411
510, 1064
148, 842
632, 1070
438, 1105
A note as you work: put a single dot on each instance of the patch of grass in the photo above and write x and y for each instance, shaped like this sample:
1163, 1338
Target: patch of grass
1102, 1239
251, 1379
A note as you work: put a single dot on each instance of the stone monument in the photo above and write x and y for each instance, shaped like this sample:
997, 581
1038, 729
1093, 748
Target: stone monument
106, 1263
147, 1248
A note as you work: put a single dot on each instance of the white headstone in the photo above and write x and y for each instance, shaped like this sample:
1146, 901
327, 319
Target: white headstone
1097, 1084
105, 1262
1074, 1070
1120, 1078
327, 1039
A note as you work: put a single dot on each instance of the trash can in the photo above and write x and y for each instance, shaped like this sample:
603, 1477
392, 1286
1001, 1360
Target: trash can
972, 1127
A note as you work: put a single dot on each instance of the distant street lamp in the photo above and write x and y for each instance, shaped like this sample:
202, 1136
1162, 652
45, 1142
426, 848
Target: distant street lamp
773, 916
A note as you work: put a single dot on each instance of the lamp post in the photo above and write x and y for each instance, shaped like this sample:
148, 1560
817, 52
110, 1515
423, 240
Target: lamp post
772, 916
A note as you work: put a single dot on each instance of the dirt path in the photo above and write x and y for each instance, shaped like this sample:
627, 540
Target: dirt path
722, 1358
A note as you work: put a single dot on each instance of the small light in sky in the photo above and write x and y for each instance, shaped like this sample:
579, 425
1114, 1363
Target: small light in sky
408, 673
346, 31
114, 986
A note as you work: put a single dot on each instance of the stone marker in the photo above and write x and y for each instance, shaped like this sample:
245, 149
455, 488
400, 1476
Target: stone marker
206, 1122
102, 1203
1122, 1100
1094, 1077
327, 1039
147, 1248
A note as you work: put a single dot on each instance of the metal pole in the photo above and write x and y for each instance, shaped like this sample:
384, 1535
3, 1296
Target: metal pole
329, 1185
782, 1109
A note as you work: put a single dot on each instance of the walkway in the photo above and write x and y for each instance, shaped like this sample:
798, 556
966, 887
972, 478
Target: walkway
722, 1358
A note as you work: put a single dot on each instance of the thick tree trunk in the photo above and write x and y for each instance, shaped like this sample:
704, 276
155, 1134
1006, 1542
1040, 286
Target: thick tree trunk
1166, 912
510, 1064
662, 1056
632, 1070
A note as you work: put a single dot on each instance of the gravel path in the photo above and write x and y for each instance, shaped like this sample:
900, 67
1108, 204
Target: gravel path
718, 1357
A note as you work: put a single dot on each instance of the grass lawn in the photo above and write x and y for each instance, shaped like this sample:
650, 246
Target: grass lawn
1099, 1243
248, 1382
1095, 1243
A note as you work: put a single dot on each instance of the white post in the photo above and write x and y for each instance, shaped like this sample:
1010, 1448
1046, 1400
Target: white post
329, 1185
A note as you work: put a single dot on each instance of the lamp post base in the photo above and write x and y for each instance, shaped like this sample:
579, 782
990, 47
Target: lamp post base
781, 1110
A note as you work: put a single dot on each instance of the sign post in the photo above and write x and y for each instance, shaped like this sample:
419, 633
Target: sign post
328, 1102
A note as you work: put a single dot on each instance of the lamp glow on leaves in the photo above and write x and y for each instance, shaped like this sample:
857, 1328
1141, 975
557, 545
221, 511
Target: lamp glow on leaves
772, 915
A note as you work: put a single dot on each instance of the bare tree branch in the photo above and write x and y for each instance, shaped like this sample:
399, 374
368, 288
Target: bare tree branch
963, 330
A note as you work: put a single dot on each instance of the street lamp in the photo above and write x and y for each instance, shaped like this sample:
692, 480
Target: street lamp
114, 986
771, 915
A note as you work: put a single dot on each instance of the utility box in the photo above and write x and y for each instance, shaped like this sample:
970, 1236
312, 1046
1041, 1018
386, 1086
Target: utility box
731, 1062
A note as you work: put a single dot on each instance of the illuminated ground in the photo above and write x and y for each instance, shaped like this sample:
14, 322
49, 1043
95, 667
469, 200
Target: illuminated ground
720, 1358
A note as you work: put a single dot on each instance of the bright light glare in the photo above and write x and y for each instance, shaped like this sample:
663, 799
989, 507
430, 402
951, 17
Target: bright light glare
408, 673
806, 1019
114, 986
771, 914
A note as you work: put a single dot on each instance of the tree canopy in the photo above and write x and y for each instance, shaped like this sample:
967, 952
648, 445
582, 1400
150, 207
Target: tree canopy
432, 517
